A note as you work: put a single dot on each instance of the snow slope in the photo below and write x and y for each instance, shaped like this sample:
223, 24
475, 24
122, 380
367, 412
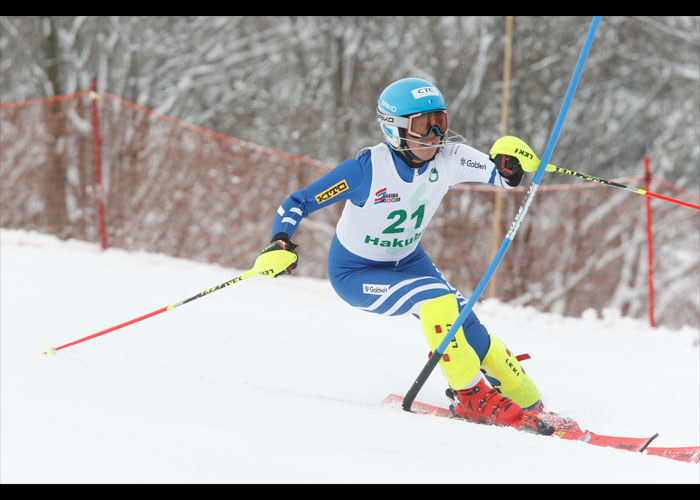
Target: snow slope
279, 381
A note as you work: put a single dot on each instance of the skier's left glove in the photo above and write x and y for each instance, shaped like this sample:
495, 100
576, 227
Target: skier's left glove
510, 145
277, 258
509, 168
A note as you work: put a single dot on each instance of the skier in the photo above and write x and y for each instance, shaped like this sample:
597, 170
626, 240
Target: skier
377, 263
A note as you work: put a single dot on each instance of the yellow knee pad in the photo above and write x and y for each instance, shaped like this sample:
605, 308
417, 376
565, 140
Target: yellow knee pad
459, 362
502, 365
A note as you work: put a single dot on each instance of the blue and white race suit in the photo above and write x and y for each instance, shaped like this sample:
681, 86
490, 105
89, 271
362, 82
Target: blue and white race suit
376, 261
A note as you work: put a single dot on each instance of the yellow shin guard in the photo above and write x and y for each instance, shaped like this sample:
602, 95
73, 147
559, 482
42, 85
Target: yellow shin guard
459, 362
500, 364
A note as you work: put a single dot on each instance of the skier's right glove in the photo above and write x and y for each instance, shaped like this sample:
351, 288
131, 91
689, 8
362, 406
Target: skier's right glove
277, 258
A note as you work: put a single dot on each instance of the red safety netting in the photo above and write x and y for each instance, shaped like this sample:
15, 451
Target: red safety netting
174, 188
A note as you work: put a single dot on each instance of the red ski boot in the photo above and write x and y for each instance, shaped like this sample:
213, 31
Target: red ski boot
483, 404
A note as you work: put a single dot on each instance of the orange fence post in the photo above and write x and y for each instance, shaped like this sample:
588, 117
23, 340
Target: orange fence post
99, 190
650, 244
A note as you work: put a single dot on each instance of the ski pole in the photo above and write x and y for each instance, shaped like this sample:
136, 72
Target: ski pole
622, 186
433, 360
268, 264
51, 351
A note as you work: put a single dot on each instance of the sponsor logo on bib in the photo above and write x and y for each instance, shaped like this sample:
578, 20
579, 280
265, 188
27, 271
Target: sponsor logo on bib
382, 196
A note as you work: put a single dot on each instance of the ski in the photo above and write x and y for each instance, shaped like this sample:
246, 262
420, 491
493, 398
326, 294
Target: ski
690, 454
566, 428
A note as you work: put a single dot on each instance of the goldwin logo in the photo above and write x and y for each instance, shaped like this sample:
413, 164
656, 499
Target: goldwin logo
375, 289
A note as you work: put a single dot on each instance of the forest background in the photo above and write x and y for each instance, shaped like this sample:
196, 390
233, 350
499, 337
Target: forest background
309, 85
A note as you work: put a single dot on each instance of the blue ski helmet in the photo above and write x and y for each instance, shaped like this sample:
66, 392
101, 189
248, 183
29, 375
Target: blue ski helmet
403, 98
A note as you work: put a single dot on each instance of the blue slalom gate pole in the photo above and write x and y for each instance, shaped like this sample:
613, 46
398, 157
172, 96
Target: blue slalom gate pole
437, 355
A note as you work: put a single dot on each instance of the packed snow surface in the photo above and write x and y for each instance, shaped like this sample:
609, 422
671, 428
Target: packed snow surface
279, 381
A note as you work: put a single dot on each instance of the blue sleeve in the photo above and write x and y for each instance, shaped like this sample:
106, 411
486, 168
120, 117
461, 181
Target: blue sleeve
350, 180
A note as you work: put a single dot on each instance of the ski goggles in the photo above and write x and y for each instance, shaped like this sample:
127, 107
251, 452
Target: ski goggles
424, 124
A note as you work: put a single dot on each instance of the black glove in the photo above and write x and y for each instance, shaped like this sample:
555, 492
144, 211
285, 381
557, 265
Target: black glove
280, 241
509, 168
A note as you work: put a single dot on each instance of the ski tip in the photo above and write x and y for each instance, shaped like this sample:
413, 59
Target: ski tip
50, 351
688, 454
